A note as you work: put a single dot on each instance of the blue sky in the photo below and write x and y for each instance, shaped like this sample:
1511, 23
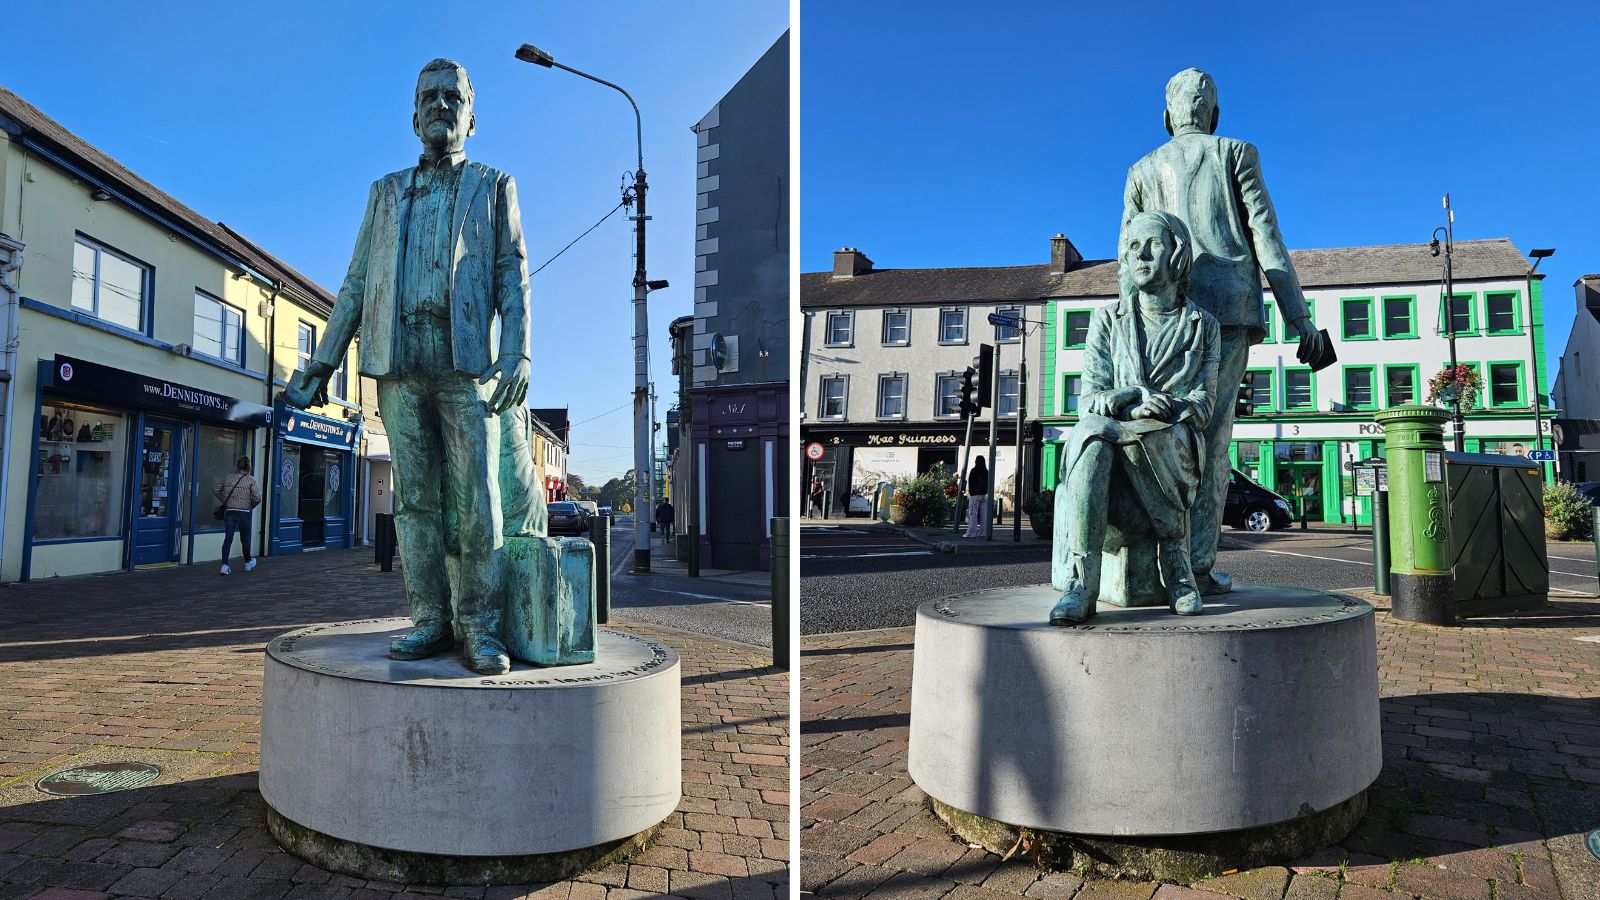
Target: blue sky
931, 136
275, 118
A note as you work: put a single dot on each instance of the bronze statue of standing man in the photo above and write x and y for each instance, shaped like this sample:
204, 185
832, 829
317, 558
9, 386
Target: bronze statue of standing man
1214, 185
438, 258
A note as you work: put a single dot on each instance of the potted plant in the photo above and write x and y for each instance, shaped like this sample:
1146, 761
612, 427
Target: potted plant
1041, 510
1453, 382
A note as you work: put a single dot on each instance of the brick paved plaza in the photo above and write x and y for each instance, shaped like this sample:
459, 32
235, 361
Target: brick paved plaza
1491, 778
165, 667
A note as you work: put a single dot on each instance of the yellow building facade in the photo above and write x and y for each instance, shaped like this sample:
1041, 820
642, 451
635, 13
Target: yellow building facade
147, 348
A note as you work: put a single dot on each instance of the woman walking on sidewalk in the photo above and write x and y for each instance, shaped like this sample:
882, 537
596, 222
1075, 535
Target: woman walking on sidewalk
237, 494
977, 498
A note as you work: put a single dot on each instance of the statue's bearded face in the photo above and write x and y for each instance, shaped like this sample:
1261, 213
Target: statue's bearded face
444, 110
1147, 256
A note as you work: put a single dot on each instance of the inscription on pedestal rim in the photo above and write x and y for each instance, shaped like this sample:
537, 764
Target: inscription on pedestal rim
1334, 608
99, 778
301, 650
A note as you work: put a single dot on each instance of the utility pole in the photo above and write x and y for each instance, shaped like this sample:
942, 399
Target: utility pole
1457, 423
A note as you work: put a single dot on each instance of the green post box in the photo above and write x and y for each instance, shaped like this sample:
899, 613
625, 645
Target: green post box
1422, 588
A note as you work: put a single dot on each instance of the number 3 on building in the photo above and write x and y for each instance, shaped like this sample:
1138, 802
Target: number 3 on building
1296, 429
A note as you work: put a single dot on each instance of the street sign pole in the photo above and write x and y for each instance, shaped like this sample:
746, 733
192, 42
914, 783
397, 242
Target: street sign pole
994, 436
961, 476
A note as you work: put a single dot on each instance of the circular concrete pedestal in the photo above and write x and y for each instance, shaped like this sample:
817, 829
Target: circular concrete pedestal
1140, 723
422, 771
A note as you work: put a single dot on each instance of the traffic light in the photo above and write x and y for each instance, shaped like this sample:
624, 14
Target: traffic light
985, 373
1244, 404
969, 393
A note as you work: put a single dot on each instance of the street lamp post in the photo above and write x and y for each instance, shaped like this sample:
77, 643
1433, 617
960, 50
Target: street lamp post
1537, 256
633, 195
1457, 425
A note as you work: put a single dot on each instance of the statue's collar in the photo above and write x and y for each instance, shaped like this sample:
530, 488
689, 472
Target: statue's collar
428, 161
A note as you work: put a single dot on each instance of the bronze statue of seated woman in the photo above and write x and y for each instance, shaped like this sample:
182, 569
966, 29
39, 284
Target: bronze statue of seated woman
1133, 463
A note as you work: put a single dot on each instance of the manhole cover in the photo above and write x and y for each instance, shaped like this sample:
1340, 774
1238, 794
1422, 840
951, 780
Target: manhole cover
100, 778
1594, 842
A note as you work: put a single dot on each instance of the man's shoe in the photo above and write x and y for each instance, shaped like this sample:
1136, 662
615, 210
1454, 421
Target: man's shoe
1072, 608
1213, 583
1186, 601
226, 570
422, 642
250, 566
487, 656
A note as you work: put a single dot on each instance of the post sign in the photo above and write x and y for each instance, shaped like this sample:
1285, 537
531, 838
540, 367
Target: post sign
1005, 320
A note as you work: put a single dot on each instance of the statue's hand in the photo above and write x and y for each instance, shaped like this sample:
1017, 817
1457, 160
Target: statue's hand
1311, 343
1159, 406
513, 386
308, 387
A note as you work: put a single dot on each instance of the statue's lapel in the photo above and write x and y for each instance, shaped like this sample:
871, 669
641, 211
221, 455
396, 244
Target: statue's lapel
466, 192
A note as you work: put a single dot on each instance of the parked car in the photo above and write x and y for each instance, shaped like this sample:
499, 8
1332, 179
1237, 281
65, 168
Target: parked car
1590, 489
1253, 507
568, 518
606, 511
589, 507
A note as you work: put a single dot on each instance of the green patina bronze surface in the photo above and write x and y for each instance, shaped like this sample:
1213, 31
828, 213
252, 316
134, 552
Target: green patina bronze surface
1179, 858
1215, 186
1131, 466
438, 287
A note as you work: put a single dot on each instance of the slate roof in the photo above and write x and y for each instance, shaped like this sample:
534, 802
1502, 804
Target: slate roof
55, 137
555, 422
1318, 268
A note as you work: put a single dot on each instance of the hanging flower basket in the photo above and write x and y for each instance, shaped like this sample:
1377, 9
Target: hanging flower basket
1449, 383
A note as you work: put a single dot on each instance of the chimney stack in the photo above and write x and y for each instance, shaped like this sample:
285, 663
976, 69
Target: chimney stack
1063, 255
849, 262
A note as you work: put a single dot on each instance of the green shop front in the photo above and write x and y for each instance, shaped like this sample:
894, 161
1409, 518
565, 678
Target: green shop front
313, 482
1310, 460
123, 468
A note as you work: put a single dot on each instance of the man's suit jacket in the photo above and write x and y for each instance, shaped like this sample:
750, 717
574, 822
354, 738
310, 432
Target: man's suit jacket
489, 276
1214, 185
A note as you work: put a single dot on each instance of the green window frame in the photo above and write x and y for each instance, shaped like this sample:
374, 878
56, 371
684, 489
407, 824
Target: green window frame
1311, 389
1518, 367
1266, 320
1389, 399
1483, 395
1410, 330
1262, 400
1069, 397
1489, 297
1471, 301
1290, 336
1363, 307
1067, 327
1372, 386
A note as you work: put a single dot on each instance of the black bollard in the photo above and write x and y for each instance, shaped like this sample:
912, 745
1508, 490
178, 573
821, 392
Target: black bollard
600, 536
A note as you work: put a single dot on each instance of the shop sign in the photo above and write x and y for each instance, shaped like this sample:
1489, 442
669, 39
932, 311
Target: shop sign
117, 387
309, 429
913, 440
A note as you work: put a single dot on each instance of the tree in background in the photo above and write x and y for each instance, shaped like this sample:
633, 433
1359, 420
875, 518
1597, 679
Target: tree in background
575, 487
618, 492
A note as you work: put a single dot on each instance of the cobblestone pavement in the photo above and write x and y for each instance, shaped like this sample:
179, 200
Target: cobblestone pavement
165, 667
1491, 778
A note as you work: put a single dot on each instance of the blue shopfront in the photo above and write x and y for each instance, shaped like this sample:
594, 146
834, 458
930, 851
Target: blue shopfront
123, 468
313, 482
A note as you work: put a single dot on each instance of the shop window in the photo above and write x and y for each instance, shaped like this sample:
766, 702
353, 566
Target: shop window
1297, 451
218, 329
1075, 328
897, 327
1006, 407
311, 489
1399, 317
840, 330
948, 392
220, 449
1356, 319
891, 396
953, 326
81, 469
108, 285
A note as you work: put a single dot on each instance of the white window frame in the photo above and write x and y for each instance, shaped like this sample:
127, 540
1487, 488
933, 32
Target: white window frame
146, 283
849, 317
896, 311
887, 378
1016, 396
234, 354
844, 397
939, 395
302, 357
1016, 333
964, 315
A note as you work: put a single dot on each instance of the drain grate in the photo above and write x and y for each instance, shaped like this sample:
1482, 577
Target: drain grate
100, 778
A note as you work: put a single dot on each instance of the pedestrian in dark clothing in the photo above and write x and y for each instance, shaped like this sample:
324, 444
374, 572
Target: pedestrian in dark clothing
977, 498
664, 519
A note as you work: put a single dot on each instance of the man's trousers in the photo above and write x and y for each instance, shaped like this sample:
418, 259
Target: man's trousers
1205, 517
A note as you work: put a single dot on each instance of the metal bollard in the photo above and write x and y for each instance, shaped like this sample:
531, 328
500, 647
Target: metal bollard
600, 536
1380, 542
384, 545
780, 592
1594, 532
